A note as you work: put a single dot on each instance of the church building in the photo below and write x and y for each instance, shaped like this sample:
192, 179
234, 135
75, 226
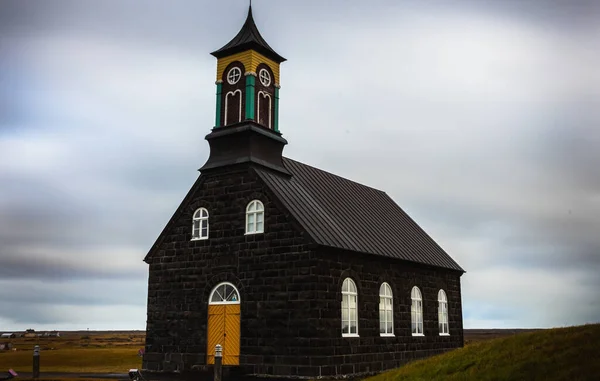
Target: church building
296, 272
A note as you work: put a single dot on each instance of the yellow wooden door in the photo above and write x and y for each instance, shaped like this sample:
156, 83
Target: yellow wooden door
216, 329
231, 349
224, 329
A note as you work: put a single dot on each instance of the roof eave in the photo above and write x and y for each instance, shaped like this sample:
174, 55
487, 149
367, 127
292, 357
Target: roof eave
221, 53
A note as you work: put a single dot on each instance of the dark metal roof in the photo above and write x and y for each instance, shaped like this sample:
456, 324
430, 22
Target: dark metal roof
248, 38
341, 213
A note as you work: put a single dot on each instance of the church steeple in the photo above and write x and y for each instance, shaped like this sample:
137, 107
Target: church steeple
246, 124
248, 79
248, 38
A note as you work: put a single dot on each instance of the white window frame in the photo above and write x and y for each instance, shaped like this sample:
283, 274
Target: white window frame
349, 304
416, 312
255, 214
265, 77
216, 290
443, 324
386, 304
199, 219
234, 75
232, 94
265, 95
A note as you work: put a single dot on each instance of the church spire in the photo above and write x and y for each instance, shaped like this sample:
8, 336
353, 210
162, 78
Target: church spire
248, 79
248, 38
246, 122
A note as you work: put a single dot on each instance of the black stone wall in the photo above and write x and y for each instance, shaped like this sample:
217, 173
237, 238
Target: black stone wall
370, 352
270, 270
290, 293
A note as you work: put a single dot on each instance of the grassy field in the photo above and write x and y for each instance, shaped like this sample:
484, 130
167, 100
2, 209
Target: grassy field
551, 355
557, 354
79, 352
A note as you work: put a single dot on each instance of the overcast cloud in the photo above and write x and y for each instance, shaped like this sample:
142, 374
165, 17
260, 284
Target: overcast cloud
487, 115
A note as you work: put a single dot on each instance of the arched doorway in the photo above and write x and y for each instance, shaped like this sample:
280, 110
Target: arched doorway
224, 323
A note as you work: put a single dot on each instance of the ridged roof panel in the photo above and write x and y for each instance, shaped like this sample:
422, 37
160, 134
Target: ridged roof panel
344, 214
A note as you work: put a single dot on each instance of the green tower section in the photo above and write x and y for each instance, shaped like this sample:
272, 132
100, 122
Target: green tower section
276, 105
250, 96
219, 104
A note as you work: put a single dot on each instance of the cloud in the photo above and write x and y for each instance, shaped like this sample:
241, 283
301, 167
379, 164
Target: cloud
478, 119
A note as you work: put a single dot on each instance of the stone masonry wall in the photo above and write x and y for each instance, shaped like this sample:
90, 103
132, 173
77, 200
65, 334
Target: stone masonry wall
370, 352
270, 270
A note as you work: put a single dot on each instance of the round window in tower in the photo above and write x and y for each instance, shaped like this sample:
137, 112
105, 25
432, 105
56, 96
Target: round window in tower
234, 75
265, 77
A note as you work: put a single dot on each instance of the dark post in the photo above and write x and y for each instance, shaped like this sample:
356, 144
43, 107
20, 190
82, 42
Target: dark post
218, 362
36, 361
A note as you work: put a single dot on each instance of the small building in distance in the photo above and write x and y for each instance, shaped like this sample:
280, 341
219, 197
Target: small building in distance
8, 335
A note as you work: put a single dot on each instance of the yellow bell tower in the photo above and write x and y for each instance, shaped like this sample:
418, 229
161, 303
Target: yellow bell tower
248, 79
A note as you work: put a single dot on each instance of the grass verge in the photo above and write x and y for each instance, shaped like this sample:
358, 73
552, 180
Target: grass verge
571, 353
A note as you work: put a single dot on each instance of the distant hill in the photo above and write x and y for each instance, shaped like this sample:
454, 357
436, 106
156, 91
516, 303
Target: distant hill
558, 354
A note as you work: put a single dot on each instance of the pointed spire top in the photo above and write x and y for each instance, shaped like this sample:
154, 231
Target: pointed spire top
248, 38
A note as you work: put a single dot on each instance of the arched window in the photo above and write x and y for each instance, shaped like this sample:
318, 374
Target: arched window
386, 311
224, 293
255, 217
264, 108
416, 312
233, 107
349, 308
200, 224
443, 313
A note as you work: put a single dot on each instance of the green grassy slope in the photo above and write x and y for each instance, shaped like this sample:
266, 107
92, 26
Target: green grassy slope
551, 355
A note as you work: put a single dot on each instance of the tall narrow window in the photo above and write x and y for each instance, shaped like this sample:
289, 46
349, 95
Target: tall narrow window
200, 224
386, 311
255, 217
264, 109
349, 308
416, 312
233, 107
443, 313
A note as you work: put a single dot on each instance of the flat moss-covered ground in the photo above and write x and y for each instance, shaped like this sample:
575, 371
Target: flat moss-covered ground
551, 355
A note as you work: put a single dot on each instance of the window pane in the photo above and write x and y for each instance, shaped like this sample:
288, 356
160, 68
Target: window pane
260, 217
352, 287
204, 232
352, 301
382, 327
250, 227
353, 327
389, 327
259, 226
345, 316
352, 315
344, 301
345, 327
388, 316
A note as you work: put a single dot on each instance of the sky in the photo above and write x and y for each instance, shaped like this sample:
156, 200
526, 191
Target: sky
481, 119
